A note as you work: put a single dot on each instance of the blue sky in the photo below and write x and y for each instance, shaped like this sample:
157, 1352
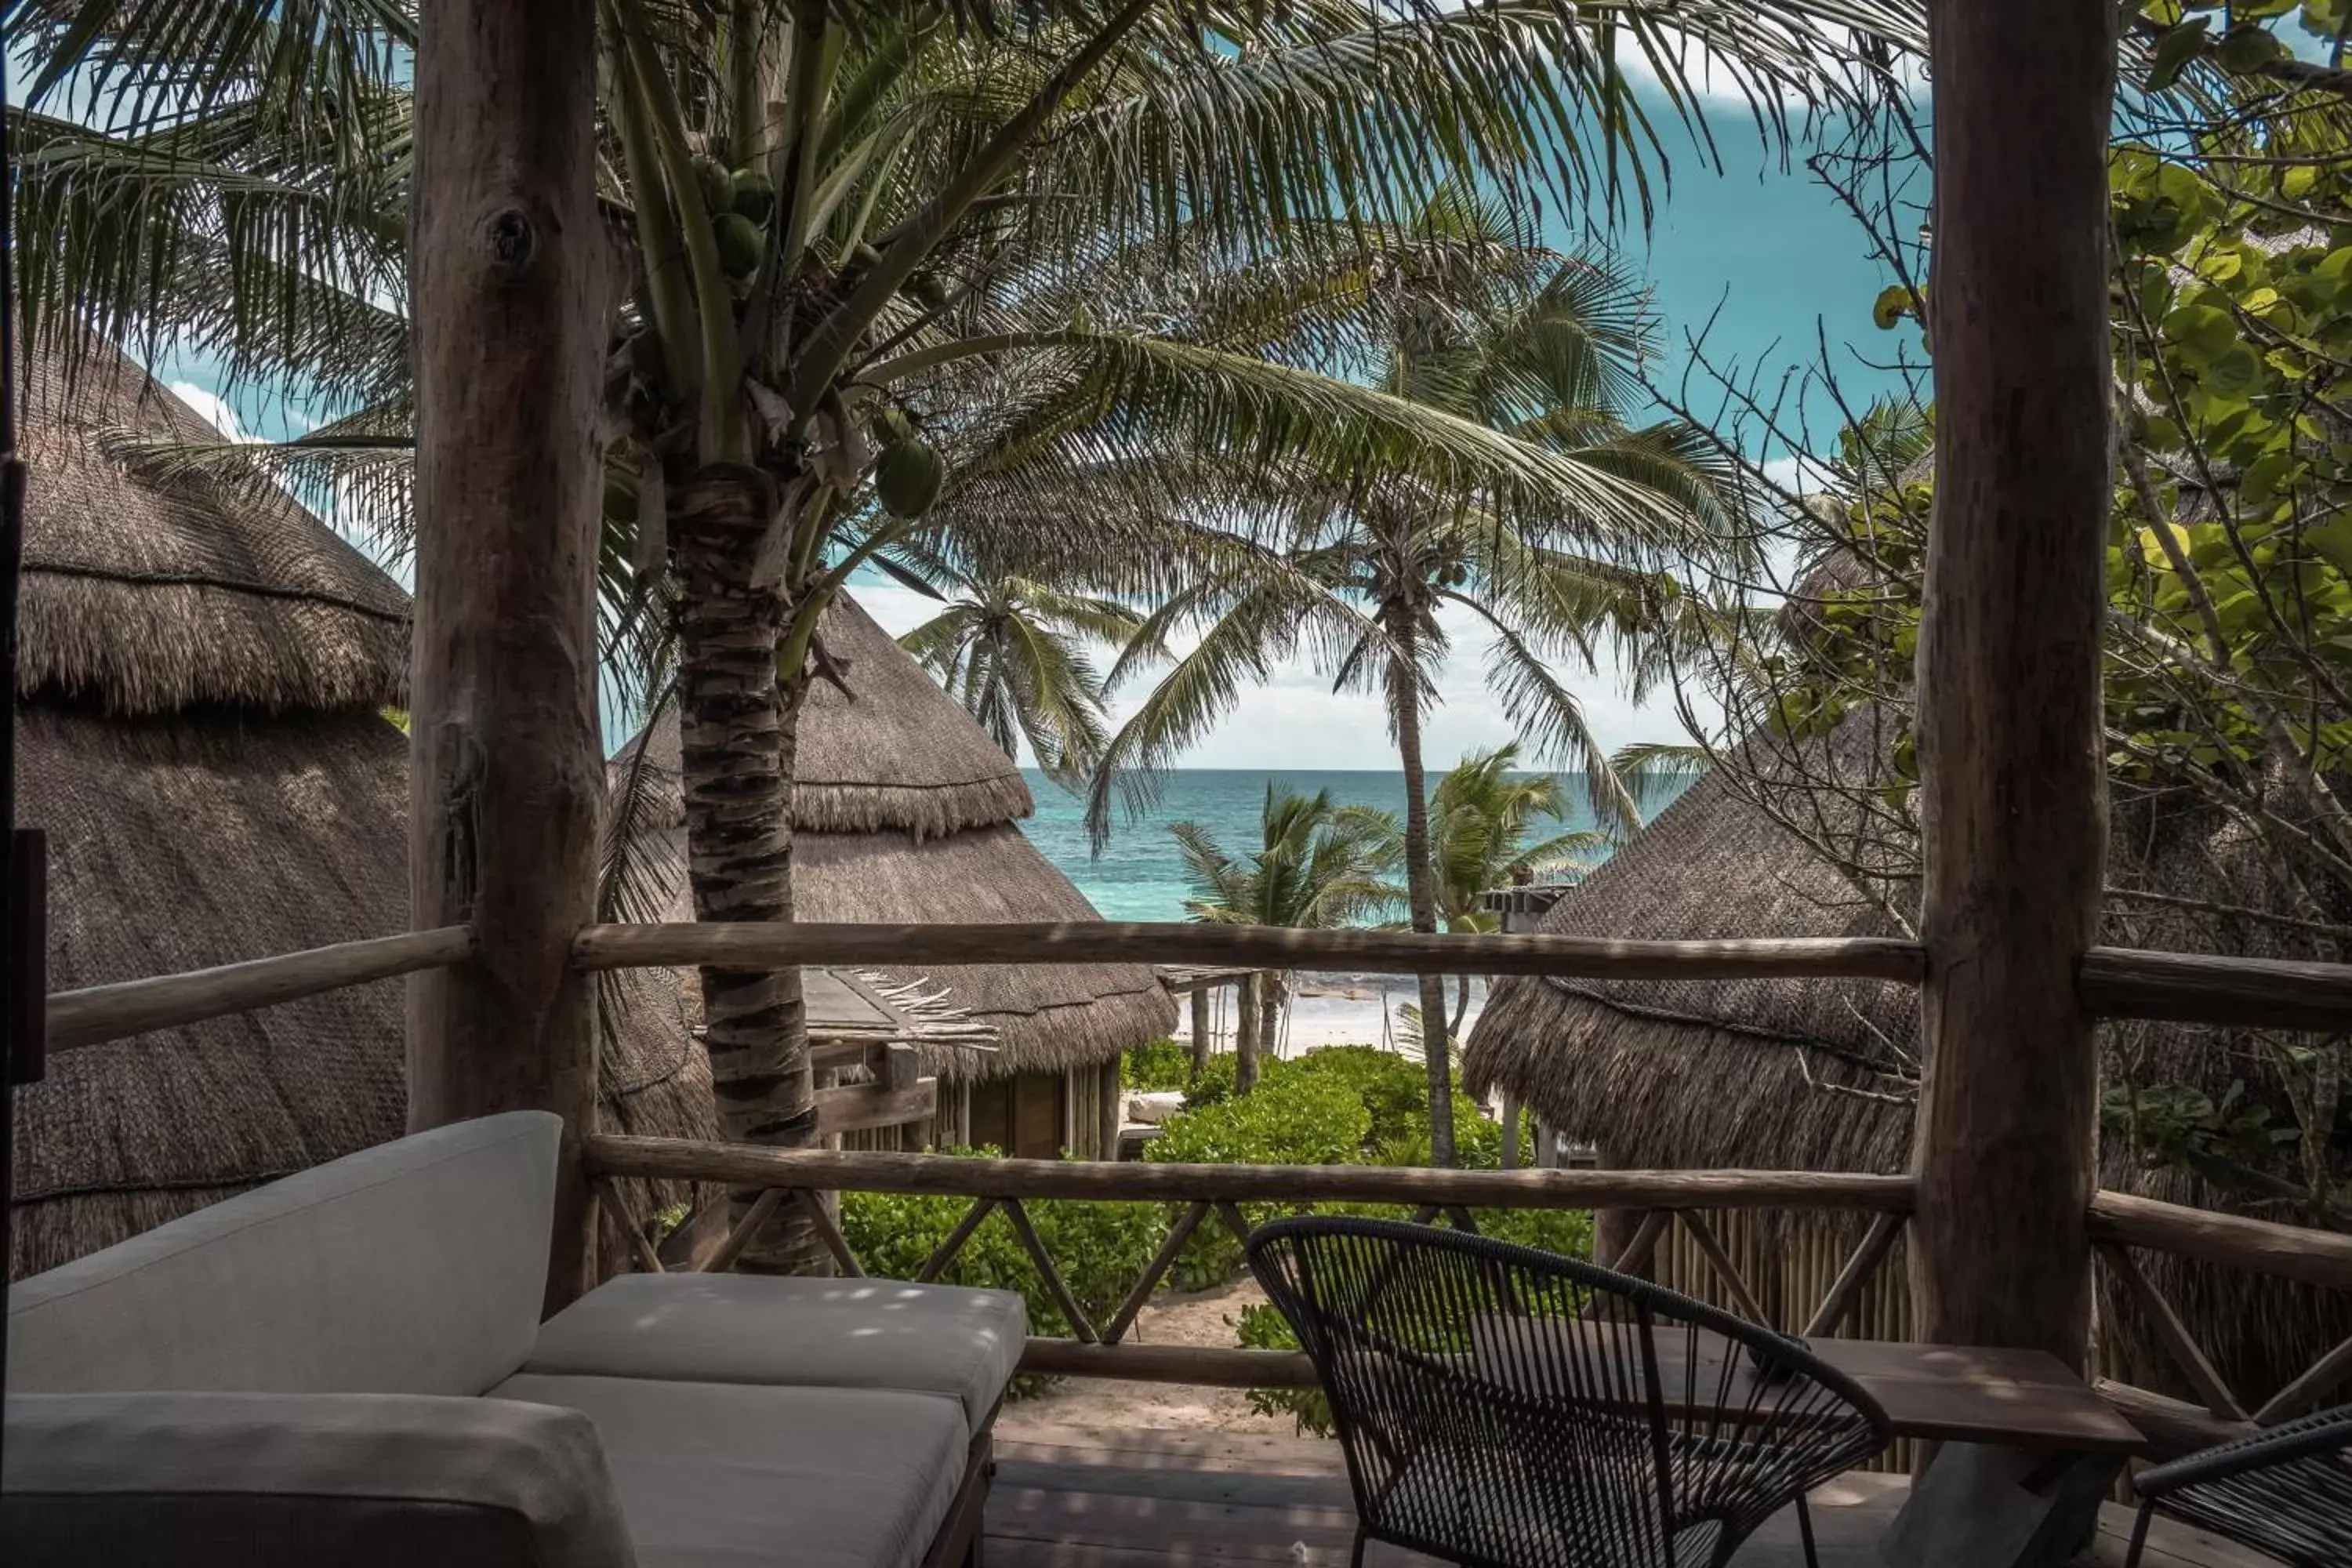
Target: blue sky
1765, 251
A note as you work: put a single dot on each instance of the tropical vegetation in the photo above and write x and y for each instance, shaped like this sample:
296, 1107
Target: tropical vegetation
1316, 864
2229, 568
1481, 814
1372, 579
908, 278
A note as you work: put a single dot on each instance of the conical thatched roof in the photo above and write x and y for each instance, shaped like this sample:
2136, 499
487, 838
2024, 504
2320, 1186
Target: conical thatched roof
908, 814
1709, 1073
893, 753
199, 735
147, 594
1796, 1074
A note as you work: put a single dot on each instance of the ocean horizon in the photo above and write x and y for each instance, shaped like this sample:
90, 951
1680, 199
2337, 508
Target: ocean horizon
1139, 875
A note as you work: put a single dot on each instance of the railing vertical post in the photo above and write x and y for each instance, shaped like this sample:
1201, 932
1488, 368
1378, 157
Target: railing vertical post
2013, 781
512, 282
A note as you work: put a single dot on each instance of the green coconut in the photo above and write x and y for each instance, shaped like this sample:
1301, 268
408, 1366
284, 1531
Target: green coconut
741, 244
754, 195
718, 184
907, 476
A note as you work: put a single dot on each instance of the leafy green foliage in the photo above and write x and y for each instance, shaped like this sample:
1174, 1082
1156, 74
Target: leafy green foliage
1099, 1248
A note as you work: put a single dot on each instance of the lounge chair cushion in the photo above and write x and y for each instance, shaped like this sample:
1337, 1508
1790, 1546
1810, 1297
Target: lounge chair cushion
810, 1333
732, 1476
367, 1481
418, 1266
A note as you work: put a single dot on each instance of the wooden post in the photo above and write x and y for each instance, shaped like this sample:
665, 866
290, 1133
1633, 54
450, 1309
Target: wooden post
1111, 1108
2013, 783
1201, 1036
511, 288
1511, 1130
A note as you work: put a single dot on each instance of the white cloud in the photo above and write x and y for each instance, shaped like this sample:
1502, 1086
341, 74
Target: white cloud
1295, 720
214, 409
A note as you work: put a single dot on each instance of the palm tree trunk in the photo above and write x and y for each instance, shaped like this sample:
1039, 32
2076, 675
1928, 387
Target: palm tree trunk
1421, 889
740, 729
1461, 1005
1269, 1012
1245, 1023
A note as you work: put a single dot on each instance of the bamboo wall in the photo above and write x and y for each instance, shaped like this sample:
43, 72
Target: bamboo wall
1790, 1260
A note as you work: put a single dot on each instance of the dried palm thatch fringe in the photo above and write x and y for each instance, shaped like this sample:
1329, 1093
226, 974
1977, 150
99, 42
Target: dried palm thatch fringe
1797, 1075
198, 734
892, 752
145, 594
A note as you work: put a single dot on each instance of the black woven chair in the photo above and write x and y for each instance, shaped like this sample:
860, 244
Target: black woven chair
1504, 1407
2287, 1491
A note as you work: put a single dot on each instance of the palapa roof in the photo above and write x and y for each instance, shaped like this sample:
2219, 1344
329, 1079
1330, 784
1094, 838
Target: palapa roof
1790, 1074
146, 593
907, 813
1709, 1073
199, 735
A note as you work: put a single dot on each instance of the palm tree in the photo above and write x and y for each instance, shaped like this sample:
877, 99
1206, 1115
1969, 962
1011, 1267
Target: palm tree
1548, 358
1480, 816
828, 204
1318, 864
1016, 652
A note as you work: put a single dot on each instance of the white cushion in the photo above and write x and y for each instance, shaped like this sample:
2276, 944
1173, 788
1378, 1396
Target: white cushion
735, 1475
417, 1267
811, 1333
362, 1481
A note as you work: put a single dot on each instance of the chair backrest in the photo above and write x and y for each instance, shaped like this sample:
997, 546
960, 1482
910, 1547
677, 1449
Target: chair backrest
417, 1267
1502, 1406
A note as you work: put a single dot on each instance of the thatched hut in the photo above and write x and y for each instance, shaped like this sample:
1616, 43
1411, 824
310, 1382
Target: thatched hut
201, 732
907, 812
1811, 1075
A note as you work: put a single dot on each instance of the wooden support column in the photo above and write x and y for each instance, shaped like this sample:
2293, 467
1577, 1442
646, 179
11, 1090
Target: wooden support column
512, 291
2012, 787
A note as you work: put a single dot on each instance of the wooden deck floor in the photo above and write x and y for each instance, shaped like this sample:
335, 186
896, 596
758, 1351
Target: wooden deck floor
1080, 1498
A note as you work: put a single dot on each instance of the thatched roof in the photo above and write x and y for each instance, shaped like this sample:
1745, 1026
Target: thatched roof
215, 803
148, 594
1795, 1074
925, 764
893, 752
1712, 1073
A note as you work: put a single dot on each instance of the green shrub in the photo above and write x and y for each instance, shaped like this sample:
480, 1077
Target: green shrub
1099, 1248
1162, 1065
1262, 1327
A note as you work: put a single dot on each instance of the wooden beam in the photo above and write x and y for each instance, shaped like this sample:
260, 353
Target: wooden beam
2209, 988
512, 277
1203, 1366
1847, 1287
2172, 1427
744, 1165
2013, 774
97, 1014
771, 943
863, 1105
2187, 1354
2264, 1247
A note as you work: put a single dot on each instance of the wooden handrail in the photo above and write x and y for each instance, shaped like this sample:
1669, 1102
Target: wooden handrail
2208, 988
100, 1013
745, 1165
2265, 1247
1254, 947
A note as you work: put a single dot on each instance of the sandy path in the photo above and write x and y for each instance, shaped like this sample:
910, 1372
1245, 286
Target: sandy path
1199, 1318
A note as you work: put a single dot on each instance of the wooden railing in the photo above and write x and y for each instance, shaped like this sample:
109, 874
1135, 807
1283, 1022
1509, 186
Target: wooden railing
2119, 983
1197, 1195
2114, 982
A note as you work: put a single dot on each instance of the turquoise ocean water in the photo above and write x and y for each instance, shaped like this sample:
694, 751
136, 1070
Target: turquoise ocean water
1139, 876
